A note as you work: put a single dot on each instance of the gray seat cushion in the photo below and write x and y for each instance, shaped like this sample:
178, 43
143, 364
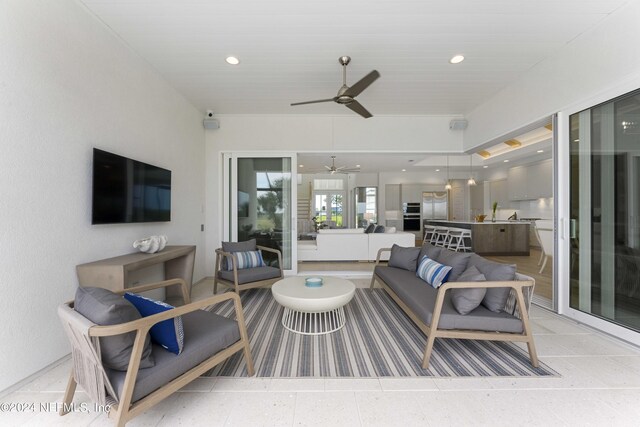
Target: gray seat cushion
405, 258
496, 298
249, 275
205, 334
103, 307
456, 260
421, 299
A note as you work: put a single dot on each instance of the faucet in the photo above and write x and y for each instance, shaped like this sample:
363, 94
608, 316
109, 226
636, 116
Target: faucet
513, 217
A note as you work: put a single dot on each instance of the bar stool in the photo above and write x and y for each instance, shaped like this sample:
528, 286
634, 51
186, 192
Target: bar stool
429, 231
441, 236
457, 239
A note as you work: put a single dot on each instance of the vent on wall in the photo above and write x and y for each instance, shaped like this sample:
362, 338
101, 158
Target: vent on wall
211, 124
458, 124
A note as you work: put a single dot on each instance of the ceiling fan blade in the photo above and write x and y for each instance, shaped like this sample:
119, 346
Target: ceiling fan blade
358, 108
362, 84
328, 167
313, 102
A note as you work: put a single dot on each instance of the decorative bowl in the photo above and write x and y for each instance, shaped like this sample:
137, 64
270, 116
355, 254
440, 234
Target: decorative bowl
313, 282
480, 218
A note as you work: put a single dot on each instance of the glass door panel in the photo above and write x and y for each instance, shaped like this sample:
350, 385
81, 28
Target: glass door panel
604, 211
264, 205
366, 200
328, 208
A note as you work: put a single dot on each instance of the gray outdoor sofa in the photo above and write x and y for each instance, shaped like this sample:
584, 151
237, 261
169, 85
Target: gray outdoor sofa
504, 298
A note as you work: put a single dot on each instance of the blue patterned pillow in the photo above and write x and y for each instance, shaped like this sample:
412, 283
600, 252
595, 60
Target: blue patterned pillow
249, 259
432, 272
168, 333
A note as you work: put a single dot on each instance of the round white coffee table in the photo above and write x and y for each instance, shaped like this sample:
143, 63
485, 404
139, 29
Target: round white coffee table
313, 311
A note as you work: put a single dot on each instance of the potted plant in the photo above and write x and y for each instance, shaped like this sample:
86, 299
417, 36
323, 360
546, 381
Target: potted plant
494, 207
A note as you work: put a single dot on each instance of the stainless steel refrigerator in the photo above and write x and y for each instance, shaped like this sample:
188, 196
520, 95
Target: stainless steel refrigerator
435, 205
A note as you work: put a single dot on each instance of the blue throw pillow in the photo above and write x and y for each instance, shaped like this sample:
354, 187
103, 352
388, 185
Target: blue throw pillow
249, 259
168, 333
432, 272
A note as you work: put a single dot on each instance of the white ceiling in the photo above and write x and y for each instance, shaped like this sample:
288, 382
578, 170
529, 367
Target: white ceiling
289, 48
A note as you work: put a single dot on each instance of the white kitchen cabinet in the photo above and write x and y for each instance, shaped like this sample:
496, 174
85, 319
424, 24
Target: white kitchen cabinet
411, 193
498, 192
392, 197
477, 198
517, 187
540, 180
531, 182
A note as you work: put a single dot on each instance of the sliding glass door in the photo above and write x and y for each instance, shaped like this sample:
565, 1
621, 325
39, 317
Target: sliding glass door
260, 200
604, 206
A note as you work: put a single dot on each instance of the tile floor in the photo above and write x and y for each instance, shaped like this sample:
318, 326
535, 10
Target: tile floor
600, 386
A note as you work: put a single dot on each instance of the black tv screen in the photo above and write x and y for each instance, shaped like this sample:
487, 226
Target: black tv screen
126, 190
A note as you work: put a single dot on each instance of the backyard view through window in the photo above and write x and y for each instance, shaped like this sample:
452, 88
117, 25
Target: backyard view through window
264, 204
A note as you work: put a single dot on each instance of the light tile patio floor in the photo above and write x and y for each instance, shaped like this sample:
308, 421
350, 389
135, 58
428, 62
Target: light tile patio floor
600, 386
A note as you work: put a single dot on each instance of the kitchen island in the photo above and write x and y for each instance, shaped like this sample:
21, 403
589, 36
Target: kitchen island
493, 238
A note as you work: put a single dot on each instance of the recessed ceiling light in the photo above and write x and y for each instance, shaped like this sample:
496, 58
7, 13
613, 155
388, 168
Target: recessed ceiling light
457, 59
506, 161
485, 166
232, 60
357, 166
540, 151
300, 166
404, 170
437, 170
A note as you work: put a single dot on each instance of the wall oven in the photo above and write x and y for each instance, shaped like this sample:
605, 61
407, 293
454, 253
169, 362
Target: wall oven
411, 216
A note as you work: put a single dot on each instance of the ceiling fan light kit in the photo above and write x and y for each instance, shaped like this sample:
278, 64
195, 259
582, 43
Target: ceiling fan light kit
346, 95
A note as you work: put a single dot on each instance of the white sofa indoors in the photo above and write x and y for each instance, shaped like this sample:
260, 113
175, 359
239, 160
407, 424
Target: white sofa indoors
350, 244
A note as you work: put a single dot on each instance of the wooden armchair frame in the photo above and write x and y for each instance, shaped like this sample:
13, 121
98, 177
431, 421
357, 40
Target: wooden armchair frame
516, 305
220, 255
87, 365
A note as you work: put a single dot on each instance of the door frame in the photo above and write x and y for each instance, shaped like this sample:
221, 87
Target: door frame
229, 230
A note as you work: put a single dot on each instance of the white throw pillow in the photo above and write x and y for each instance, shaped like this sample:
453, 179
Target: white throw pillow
390, 230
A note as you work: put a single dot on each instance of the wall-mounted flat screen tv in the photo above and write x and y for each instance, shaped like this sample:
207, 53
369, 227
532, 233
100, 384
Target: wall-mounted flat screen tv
126, 190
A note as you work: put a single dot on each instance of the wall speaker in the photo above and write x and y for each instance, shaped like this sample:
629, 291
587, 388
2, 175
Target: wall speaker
211, 124
458, 124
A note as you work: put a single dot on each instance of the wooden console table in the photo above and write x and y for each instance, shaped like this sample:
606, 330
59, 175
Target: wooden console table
112, 273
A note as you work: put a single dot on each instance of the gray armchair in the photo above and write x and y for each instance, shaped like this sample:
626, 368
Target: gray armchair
240, 279
209, 340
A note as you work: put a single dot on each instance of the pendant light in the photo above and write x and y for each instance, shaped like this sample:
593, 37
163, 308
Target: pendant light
448, 186
471, 180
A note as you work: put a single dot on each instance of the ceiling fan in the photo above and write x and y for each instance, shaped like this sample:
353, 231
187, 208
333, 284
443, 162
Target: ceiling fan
347, 94
340, 169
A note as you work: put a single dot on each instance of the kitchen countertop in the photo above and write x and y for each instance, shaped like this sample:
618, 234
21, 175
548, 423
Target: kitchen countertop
478, 223
505, 238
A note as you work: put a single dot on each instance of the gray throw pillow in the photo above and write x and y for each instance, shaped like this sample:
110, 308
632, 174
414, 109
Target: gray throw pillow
468, 299
103, 307
370, 228
247, 246
456, 260
405, 258
379, 229
429, 250
496, 298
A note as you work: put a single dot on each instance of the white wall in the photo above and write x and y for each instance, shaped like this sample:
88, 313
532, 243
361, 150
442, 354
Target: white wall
67, 85
593, 63
300, 133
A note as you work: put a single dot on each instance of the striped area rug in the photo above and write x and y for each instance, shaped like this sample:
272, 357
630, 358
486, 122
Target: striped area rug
378, 340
